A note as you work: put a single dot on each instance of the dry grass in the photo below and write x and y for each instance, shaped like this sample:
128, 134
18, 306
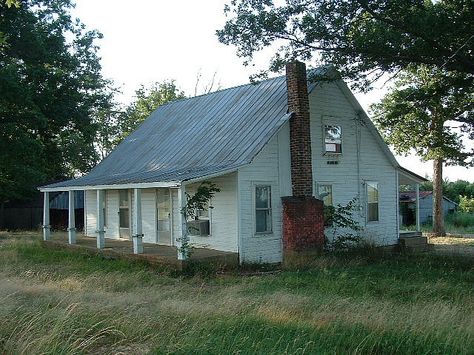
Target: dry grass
62, 303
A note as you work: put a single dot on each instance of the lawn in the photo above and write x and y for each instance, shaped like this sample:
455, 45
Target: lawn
61, 302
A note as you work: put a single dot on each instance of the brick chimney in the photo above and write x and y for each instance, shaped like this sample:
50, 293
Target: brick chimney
300, 137
303, 222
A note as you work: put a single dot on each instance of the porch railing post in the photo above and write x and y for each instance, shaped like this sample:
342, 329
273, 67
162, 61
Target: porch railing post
46, 225
182, 240
417, 207
137, 237
72, 219
100, 220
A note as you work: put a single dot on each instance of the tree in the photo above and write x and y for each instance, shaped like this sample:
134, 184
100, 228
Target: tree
50, 89
362, 38
146, 101
452, 189
420, 114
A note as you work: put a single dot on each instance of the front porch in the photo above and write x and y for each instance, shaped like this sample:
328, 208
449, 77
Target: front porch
154, 254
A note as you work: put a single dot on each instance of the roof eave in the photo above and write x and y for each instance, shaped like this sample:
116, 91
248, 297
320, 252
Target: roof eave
142, 185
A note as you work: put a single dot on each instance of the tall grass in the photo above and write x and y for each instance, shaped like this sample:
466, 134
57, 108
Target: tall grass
61, 302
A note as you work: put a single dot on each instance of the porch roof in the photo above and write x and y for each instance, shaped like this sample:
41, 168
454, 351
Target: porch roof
407, 177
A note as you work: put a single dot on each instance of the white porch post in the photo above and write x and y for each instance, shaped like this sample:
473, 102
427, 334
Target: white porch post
72, 219
183, 238
100, 220
137, 222
417, 189
46, 226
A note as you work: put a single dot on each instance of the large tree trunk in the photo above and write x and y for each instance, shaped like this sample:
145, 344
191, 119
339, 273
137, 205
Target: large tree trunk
438, 218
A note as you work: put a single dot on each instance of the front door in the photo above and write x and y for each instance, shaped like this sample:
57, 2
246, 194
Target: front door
124, 214
163, 216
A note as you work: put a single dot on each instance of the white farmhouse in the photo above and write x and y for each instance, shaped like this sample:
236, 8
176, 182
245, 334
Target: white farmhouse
258, 143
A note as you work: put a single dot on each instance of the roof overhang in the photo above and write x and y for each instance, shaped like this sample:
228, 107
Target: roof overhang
144, 185
407, 177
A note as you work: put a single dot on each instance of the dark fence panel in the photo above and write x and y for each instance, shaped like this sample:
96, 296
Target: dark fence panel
25, 218
29, 218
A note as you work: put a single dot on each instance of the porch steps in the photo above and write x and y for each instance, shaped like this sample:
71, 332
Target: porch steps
414, 243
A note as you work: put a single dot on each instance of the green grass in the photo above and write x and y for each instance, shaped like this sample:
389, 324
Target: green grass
62, 302
454, 223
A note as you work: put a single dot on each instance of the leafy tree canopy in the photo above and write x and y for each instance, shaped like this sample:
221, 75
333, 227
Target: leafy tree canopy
362, 38
50, 89
423, 112
453, 189
427, 111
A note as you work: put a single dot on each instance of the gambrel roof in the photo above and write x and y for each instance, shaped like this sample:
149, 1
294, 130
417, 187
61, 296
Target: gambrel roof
199, 137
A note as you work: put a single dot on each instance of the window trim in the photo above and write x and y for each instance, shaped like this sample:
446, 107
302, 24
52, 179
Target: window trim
104, 208
209, 218
367, 183
254, 206
325, 152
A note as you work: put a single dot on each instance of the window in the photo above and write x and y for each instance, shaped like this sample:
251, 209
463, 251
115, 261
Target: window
372, 201
263, 209
104, 208
332, 139
325, 193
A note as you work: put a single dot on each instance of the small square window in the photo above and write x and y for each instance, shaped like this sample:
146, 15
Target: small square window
263, 209
332, 139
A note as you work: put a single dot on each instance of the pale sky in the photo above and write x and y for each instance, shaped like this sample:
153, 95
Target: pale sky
146, 41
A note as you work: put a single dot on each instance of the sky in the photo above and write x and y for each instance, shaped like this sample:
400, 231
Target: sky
148, 41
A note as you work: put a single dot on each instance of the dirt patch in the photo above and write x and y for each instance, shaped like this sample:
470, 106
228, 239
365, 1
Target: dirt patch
450, 245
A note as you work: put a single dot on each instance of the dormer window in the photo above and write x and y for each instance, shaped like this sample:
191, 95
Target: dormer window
332, 139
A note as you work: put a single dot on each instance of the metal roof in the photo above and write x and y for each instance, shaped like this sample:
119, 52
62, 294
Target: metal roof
196, 137
61, 200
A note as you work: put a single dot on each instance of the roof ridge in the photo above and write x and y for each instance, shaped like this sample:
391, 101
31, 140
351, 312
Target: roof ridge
328, 66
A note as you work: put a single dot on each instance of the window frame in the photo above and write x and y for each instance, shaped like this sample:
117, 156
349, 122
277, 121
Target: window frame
104, 208
325, 183
269, 208
208, 218
325, 151
367, 203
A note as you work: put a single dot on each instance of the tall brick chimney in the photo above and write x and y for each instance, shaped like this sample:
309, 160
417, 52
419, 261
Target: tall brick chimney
300, 137
303, 222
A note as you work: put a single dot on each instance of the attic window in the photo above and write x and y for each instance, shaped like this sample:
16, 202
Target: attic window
332, 139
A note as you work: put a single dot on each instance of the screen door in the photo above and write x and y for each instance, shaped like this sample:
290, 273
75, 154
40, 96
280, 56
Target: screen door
124, 214
163, 213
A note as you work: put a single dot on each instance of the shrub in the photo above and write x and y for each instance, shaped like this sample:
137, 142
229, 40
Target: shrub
466, 204
460, 219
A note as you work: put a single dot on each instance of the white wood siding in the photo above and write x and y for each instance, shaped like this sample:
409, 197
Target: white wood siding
263, 170
112, 219
223, 216
328, 105
91, 212
149, 215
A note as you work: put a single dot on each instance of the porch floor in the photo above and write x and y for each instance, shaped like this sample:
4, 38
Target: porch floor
152, 253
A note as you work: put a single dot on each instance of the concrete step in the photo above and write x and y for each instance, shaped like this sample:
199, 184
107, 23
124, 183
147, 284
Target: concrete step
413, 241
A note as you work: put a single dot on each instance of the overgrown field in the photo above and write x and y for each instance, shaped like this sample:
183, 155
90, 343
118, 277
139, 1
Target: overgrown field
60, 302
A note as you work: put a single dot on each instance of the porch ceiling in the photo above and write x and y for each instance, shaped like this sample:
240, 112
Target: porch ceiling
407, 177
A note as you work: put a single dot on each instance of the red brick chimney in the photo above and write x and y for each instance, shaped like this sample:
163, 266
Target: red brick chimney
303, 223
300, 137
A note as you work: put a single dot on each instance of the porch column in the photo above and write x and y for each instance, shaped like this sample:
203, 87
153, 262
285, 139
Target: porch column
72, 219
100, 220
46, 225
137, 222
182, 240
417, 208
